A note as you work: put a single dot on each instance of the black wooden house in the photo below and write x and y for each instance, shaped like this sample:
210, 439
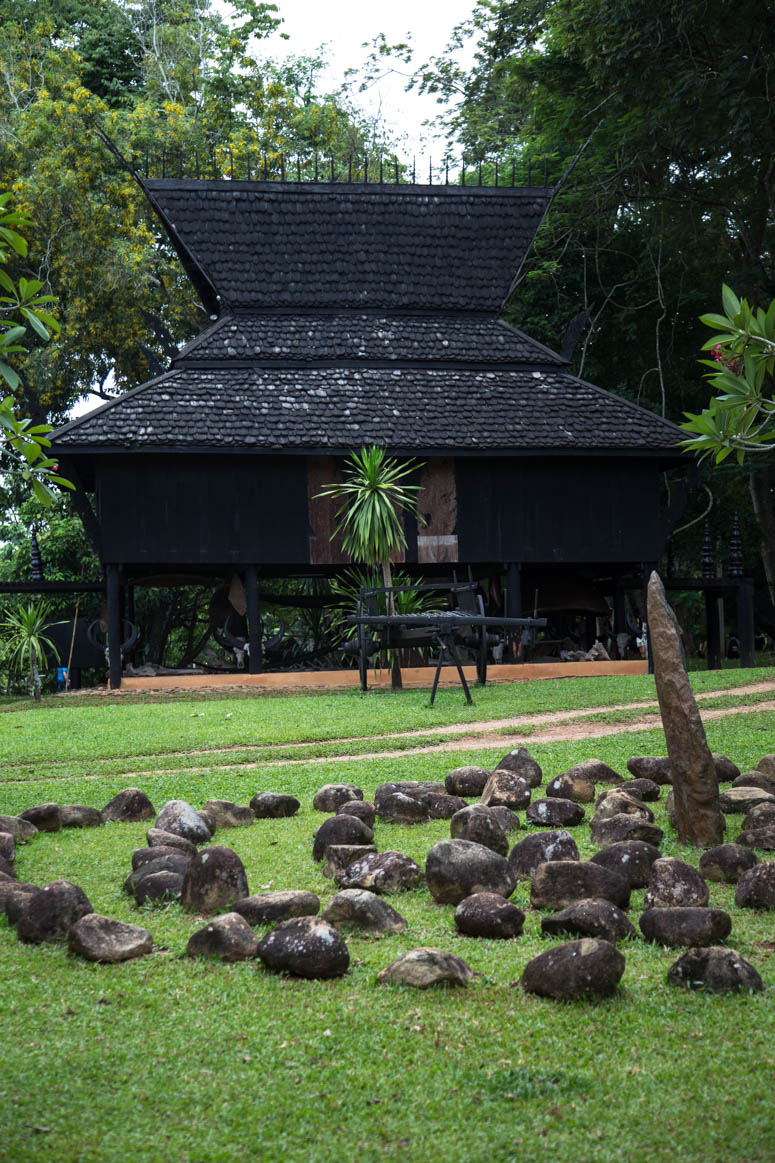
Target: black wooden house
346, 314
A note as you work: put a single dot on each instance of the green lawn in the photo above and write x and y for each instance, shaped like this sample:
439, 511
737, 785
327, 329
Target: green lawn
166, 1058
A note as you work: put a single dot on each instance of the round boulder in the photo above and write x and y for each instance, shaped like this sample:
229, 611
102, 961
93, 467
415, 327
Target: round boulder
49, 914
305, 947
555, 813
539, 848
726, 863
762, 816
332, 795
159, 838
79, 816
624, 826
479, 824
158, 887
673, 883
339, 856
507, 819
487, 914
455, 869
716, 970
506, 790
442, 806
632, 859
685, 926
383, 873
45, 817
144, 856
466, 781
20, 829
520, 762
741, 799
756, 888
426, 967
98, 938
400, 808
129, 806
587, 968
755, 779
361, 809
559, 883
215, 879
228, 814
616, 802
228, 937
653, 767
357, 908
726, 770
14, 894
763, 838
181, 819
270, 805
590, 917
267, 908
339, 830
647, 790
571, 785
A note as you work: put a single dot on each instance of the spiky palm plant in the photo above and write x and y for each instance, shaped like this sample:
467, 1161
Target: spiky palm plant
24, 643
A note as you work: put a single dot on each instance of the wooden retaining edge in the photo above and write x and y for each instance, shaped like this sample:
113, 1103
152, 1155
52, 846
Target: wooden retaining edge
413, 677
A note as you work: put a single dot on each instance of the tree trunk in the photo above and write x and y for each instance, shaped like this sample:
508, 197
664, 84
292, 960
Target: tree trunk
760, 484
35, 676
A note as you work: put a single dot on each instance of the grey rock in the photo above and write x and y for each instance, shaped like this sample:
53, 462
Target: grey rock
479, 824
340, 830
270, 805
181, 819
555, 813
21, 830
159, 838
400, 808
386, 873
209, 821
685, 925
455, 869
267, 908
571, 786
7, 868
49, 914
741, 799
442, 806
486, 914
507, 819
762, 838
726, 863
228, 937
141, 857
305, 947
624, 827
98, 938
158, 887
726, 770
215, 878
590, 917
619, 802
228, 814
716, 970
416, 788
467, 781
587, 968
506, 790
653, 767
175, 862
79, 816
45, 817
694, 775
539, 848
521, 762
755, 779
13, 896
762, 816
425, 967
595, 771
339, 856
559, 883
632, 859
130, 805
673, 884
756, 888
767, 765
332, 795
359, 808
645, 789
357, 908
7, 847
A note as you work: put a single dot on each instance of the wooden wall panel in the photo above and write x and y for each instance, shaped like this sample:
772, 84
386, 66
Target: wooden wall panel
437, 504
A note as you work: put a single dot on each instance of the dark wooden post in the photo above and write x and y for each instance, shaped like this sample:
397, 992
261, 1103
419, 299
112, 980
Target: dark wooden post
114, 625
745, 622
713, 630
514, 603
648, 567
255, 659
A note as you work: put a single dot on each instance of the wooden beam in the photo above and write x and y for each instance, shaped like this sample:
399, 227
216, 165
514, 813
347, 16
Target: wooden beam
114, 625
255, 658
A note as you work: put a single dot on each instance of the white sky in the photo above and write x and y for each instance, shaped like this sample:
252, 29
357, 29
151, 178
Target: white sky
343, 26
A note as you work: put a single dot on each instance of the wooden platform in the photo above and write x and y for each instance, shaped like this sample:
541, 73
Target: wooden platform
413, 677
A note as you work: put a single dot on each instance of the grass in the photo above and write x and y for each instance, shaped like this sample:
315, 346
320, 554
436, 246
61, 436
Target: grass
171, 1058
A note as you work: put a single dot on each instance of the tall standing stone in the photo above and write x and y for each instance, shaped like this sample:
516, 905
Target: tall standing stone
698, 818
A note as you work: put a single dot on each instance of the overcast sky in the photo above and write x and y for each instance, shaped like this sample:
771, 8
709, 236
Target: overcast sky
343, 26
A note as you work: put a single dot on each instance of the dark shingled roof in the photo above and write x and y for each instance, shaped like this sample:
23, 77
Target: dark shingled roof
270, 244
350, 336
352, 315
409, 409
